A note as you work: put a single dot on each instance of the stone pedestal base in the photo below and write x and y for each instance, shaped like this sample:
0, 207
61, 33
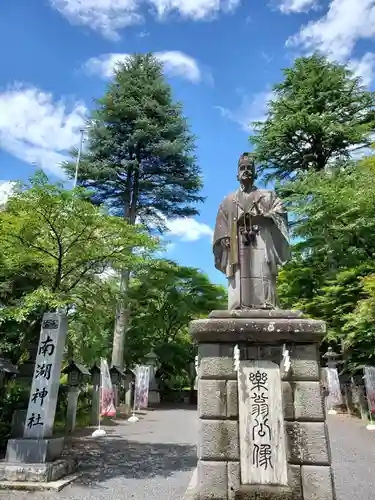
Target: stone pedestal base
18, 423
34, 451
153, 398
37, 473
260, 335
262, 492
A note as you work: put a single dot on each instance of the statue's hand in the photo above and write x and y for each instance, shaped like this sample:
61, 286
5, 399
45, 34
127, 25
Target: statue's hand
225, 242
257, 209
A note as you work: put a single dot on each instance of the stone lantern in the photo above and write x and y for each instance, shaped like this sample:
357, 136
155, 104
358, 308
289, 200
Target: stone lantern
117, 375
77, 374
95, 399
129, 384
332, 358
7, 371
151, 360
334, 398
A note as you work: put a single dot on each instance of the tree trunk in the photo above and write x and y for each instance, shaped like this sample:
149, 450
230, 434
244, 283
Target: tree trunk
122, 310
121, 322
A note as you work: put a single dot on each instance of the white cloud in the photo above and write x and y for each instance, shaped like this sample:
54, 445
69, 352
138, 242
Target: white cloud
296, 6
188, 229
252, 108
337, 32
364, 67
170, 247
109, 16
175, 64
6, 190
37, 129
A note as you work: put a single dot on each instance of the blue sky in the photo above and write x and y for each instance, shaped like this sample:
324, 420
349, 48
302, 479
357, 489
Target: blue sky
221, 57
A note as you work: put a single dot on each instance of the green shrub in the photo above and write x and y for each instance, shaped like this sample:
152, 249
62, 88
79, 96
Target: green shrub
12, 397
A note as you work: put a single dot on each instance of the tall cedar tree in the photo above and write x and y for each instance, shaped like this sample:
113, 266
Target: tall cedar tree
140, 158
317, 114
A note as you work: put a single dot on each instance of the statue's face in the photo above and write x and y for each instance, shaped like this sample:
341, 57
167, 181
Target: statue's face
245, 172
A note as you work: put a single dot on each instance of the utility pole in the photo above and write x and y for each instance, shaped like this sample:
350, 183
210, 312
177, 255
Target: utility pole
82, 131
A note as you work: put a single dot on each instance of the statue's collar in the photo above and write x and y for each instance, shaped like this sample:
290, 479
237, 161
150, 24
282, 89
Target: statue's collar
253, 188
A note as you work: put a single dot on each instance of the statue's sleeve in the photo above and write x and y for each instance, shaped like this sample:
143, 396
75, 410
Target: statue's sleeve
222, 230
279, 229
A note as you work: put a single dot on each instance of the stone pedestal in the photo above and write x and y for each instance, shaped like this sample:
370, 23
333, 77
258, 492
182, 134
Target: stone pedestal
153, 397
129, 386
95, 396
261, 335
71, 412
153, 389
34, 451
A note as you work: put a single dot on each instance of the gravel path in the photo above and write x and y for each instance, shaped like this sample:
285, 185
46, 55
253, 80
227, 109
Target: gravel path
154, 460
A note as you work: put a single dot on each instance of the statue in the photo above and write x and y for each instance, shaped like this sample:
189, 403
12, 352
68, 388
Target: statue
251, 241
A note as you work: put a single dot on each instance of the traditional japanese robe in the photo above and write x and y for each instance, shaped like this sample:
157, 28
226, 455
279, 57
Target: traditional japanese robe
251, 270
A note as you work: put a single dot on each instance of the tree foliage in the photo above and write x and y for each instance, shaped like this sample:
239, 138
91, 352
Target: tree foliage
140, 157
331, 274
55, 244
91, 324
316, 115
164, 299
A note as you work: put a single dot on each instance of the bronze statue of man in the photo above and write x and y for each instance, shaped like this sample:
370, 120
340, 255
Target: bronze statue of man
251, 241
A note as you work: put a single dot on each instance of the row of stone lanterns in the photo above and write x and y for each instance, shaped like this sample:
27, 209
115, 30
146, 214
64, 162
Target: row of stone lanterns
79, 375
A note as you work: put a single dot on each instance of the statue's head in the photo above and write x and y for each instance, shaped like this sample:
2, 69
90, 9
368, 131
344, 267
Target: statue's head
246, 169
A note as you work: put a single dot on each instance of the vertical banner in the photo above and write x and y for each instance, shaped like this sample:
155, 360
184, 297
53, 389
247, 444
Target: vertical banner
107, 395
370, 387
142, 380
334, 397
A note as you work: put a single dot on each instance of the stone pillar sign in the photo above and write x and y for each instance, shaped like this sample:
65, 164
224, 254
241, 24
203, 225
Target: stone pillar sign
261, 424
41, 411
37, 456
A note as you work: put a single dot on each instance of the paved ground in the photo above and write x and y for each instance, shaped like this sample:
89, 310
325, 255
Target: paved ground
154, 460
353, 454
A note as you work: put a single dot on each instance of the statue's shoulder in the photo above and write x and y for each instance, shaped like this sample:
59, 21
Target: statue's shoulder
230, 196
229, 199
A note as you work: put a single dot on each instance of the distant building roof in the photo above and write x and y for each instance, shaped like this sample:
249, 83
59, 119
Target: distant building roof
7, 367
73, 365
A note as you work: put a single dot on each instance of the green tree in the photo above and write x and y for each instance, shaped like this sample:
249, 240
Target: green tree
54, 245
317, 114
91, 321
164, 299
330, 275
359, 328
140, 159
